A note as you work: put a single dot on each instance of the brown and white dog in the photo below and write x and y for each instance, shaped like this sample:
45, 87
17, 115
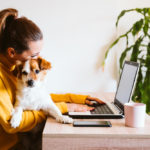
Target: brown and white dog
31, 93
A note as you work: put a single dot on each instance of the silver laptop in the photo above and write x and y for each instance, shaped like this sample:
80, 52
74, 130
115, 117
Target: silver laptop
123, 95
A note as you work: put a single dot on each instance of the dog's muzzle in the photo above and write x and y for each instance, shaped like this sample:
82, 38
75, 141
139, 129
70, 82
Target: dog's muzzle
30, 83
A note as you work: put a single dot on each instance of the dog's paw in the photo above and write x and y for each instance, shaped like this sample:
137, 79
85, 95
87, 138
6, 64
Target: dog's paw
15, 121
12, 111
64, 119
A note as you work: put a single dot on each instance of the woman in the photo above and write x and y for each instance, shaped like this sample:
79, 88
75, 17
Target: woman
21, 39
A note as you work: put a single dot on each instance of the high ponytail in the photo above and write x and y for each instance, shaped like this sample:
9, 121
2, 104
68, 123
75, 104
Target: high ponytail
16, 32
6, 17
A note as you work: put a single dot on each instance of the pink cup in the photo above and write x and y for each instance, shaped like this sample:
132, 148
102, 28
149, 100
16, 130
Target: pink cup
134, 114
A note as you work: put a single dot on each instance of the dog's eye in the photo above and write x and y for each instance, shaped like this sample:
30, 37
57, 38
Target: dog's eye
37, 71
24, 73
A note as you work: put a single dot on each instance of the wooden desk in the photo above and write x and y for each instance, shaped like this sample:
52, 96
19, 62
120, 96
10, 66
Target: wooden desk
58, 136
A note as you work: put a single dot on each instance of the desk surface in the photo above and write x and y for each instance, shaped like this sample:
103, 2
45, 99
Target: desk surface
118, 130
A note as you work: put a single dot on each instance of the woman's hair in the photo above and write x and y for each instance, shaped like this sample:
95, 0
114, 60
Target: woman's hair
17, 32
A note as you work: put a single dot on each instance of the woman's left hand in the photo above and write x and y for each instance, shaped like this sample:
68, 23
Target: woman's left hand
89, 99
78, 107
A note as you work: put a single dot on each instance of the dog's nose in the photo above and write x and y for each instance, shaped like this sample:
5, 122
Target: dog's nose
30, 82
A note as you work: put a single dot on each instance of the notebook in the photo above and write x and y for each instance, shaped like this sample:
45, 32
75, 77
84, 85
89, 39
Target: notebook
123, 95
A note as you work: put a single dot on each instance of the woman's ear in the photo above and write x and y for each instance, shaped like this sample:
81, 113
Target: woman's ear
11, 52
43, 64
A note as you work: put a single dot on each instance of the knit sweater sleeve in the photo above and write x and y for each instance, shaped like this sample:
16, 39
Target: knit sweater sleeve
61, 100
29, 118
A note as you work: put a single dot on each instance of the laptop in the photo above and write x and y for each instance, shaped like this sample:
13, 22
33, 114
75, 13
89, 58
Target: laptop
125, 88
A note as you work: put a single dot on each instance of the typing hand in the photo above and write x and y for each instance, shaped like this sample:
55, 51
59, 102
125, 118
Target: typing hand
78, 107
89, 100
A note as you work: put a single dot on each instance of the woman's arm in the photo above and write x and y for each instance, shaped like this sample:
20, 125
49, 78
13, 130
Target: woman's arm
74, 102
29, 118
69, 98
70, 102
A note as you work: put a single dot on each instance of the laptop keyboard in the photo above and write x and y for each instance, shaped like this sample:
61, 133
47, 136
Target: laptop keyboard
102, 109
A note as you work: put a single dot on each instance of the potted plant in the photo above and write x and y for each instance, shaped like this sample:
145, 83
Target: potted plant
139, 52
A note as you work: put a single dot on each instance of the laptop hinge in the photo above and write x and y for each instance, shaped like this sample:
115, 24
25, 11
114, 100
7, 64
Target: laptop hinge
120, 110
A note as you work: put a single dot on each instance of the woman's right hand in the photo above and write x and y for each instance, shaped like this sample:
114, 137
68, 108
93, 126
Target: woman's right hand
78, 107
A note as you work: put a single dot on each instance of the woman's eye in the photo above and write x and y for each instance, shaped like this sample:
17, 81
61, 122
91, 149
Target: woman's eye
37, 71
24, 73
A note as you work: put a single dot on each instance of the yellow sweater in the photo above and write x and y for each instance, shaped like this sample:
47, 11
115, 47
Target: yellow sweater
8, 135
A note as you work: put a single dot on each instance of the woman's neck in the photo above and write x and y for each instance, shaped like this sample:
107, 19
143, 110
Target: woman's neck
12, 61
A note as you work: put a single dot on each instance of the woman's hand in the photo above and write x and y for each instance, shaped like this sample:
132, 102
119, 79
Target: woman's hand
82, 108
89, 99
78, 107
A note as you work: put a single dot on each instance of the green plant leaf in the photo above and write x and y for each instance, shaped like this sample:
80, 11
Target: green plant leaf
140, 52
148, 11
137, 27
136, 49
139, 10
114, 43
127, 40
148, 49
145, 10
122, 14
137, 92
146, 90
123, 56
145, 28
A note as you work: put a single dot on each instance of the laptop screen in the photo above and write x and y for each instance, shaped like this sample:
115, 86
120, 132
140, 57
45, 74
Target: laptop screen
126, 82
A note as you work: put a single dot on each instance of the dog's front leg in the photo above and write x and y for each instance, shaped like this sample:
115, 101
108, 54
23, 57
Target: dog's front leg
53, 110
16, 116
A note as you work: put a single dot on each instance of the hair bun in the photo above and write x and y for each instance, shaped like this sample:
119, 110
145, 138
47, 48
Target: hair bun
6, 17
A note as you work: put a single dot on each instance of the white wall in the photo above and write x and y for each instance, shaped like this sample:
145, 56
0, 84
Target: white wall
76, 35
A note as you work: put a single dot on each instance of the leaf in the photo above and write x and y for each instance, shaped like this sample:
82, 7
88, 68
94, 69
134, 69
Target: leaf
146, 90
127, 42
123, 55
137, 27
149, 11
114, 43
137, 92
139, 10
122, 14
136, 49
147, 60
145, 10
145, 28
140, 52
148, 49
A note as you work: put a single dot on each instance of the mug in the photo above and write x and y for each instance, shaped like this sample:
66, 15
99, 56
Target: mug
134, 114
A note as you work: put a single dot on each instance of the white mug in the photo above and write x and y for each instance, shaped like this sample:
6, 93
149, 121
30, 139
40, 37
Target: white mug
134, 114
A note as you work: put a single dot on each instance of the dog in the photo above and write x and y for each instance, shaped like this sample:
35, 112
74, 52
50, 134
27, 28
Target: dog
31, 94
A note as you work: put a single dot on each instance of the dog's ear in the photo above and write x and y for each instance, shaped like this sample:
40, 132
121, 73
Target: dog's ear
17, 71
43, 64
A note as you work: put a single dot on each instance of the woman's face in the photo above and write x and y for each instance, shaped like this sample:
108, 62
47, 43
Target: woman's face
34, 50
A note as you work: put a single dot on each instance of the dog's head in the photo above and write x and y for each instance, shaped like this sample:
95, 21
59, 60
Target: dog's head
32, 71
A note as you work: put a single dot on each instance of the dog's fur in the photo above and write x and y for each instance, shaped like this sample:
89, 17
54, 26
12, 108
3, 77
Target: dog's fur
31, 94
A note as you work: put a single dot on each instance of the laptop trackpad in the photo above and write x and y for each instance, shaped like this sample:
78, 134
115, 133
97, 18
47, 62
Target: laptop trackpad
80, 113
